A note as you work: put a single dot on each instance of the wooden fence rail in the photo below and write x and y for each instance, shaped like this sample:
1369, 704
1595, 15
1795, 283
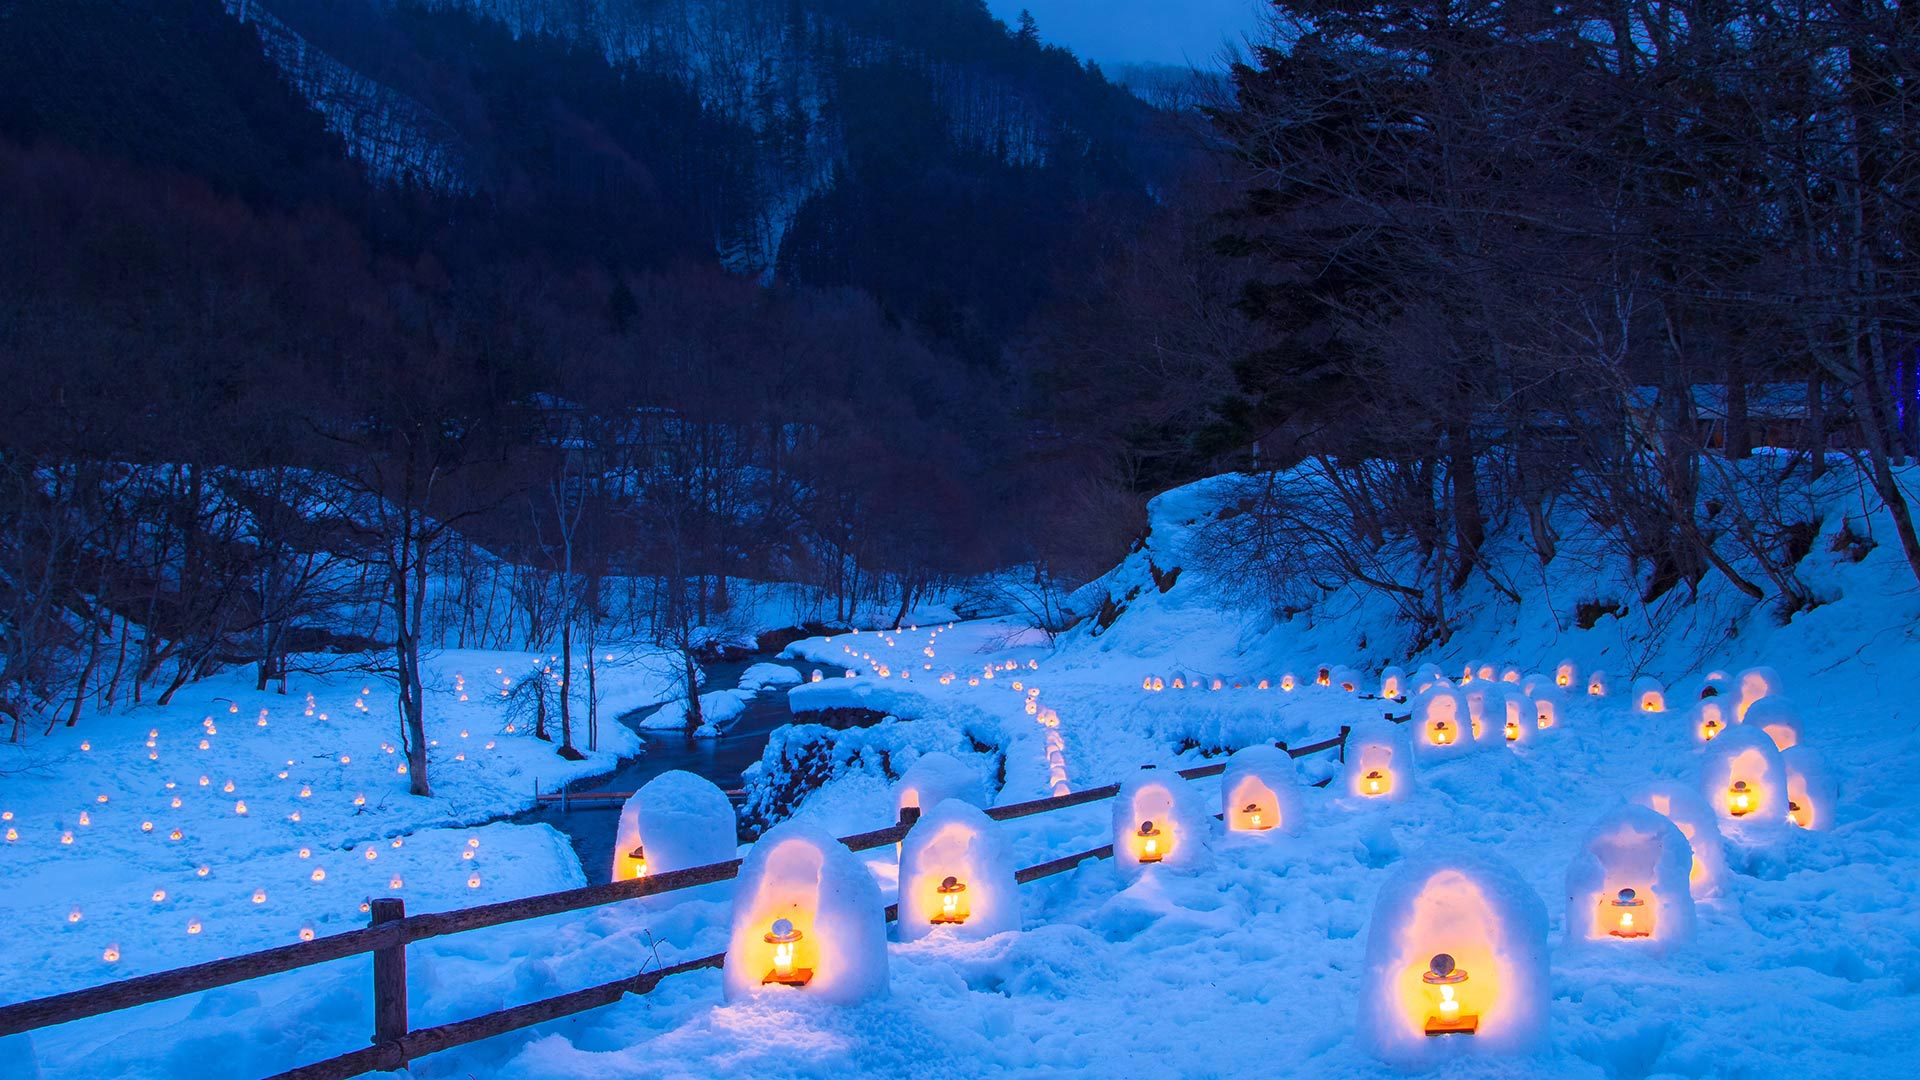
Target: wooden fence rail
392, 930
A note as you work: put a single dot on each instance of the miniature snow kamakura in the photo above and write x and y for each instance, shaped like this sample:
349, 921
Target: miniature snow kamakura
1710, 718
676, 821
1629, 881
1810, 788
957, 871
1157, 821
1754, 684
935, 777
1393, 683
1776, 715
1456, 954
1259, 791
808, 916
1379, 765
1649, 695
1697, 824
1743, 779
1441, 715
1566, 675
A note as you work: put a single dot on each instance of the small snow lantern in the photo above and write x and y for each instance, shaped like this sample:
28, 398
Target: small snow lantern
936, 777
806, 914
1393, 683
1442, 721
1649, 695
1743, 779
1630, 880
1598, 684
1456, 953
1259, 791
1156, 821
1710, 718
1379, 761
957, 871
1698, 825
1323, 675
1346, 680
1752, 685
677, 820
1549, 706
1776, 715
1566, 675
1810, 788
1715, 684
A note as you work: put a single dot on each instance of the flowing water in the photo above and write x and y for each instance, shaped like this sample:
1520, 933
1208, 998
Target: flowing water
591, 826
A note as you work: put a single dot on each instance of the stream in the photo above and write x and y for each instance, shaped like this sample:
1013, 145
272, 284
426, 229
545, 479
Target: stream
591, 826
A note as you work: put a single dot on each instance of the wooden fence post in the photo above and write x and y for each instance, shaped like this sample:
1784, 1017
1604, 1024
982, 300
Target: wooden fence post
390, 984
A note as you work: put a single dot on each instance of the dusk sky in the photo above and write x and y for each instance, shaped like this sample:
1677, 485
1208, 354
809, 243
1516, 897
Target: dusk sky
1118, 31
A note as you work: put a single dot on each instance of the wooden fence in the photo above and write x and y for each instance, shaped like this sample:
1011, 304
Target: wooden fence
391, 930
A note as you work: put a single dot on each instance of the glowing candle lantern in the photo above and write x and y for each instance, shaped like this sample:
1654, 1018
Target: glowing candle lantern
1444, 1017
783, 936
1149, 848
953, 901
1324, 676
1393, 683
1287, 682
1597, 684
259, 896
1443, 733
1378, 782
1649, 695
1259, 791
111, 955
1629, 916
319, 874
1741, 800
1776, 715
1810, 788
1709, 720
1565, 674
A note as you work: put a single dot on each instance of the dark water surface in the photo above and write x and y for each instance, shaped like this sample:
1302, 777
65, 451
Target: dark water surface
591, 826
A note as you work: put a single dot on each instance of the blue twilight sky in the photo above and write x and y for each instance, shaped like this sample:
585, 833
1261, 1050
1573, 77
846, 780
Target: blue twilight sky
1139, 31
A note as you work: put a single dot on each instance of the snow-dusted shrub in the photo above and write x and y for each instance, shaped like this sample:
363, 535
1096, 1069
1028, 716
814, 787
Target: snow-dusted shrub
1157, 821
1260, 791
956, 871
1629, 881
1649, 695
801, 885
1379, 761
675, 821
1743, 780
1779, 717
1697, 824
1811, 789
1450, 927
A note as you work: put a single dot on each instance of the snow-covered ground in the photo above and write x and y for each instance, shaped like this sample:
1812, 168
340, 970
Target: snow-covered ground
1249, 962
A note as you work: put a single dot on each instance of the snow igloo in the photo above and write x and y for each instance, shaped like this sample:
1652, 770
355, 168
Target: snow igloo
1566, 675
1698, 826
1649, 695
1710, 717
1752, 685
1742, 777
1443, 720
1157, 822
935, 777
1630, 881
1393, 683
807, 916
677, 820
1378, 761
1811, 789
957, 872
1778, 717
1456, 962
1260, 792
1549, 707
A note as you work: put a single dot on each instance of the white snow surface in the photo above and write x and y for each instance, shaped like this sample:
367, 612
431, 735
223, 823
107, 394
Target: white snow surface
1805, 962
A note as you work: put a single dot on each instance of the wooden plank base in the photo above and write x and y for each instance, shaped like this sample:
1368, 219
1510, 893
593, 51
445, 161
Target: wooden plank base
1464, 1024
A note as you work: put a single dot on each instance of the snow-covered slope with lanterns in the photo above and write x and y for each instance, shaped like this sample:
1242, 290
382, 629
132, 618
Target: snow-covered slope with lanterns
1297, 951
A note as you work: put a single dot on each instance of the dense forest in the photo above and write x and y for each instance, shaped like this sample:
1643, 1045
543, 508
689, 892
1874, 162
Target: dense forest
873, 295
